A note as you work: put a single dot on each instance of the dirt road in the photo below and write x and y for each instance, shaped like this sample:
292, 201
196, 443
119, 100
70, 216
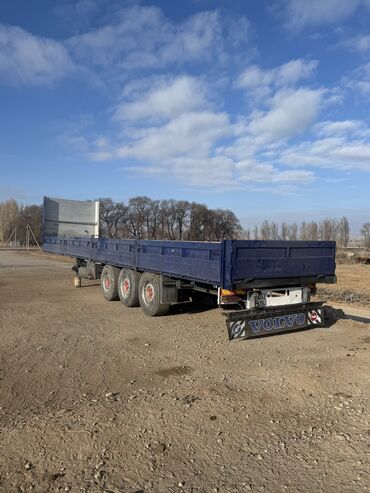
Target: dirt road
96, 397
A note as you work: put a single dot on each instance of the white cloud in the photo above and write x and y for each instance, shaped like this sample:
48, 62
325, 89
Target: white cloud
29, 59
333, 152
209, 172
169, 100
286, 74
223, 173
311, 13
295, 70
195, 147
142, 38
190, 134
338, 128
186, 138
266, 173
291, 113
193, 40
262, 82
359, 43
360, 80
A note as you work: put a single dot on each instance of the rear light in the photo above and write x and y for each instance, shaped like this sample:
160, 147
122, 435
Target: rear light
227, 296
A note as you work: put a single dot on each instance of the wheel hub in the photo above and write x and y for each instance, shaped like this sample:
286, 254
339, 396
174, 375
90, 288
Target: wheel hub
107, 282
149, 293
125, 287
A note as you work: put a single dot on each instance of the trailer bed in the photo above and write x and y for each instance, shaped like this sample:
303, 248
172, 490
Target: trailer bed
230, 264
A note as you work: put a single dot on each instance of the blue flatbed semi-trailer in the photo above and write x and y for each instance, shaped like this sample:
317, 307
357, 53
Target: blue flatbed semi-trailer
229, 264
269, 282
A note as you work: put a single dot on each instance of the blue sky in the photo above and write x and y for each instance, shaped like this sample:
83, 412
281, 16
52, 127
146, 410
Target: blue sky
257, 106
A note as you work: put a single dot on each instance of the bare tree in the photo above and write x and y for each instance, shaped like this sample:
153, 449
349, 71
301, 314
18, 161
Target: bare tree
9, 212
343, 232
365, 231
293, 231
198, 219
304, 233
274, 231
111, 214
284, 231
181, 212
30, 215
313, 231
226, 225
328, 229
138, 216
265, 231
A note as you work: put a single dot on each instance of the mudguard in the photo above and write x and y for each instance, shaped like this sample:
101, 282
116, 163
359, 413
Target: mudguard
245, 324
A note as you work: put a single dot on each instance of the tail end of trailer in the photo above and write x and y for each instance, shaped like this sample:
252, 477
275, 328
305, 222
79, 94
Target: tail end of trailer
246, 324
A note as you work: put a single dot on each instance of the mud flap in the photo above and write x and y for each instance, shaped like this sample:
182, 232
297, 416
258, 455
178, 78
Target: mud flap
244, 324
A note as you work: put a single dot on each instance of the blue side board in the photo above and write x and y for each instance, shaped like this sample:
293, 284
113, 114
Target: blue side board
217, 264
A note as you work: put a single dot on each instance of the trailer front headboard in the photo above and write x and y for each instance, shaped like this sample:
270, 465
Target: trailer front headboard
71, 217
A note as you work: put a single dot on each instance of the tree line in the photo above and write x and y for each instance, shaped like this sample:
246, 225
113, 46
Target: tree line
14, 218
145, 218
327, 229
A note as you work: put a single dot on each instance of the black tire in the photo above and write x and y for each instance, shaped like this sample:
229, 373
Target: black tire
128, 287
149, 295
109, 282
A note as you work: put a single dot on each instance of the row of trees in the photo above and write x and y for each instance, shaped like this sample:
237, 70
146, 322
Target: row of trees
151, 219
327, 229
141, 218
14, 218
145, 218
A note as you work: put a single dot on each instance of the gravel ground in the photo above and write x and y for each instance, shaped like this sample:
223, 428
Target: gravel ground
353, 284
96, 397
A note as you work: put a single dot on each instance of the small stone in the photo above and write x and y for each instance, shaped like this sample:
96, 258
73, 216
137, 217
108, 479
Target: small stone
340, 437
181, 484
159, 448
99, 475
112, 395
28, 466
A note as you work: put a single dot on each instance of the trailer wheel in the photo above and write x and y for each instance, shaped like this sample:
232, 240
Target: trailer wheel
149, 295
109, 282
128, 287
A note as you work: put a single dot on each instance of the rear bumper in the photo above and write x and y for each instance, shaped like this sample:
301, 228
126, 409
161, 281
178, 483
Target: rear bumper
244, 324
282, 281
